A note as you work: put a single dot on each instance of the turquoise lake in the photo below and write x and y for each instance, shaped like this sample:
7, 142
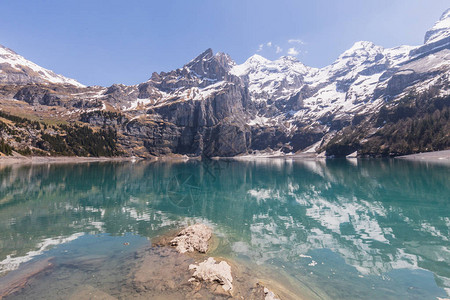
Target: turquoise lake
339, 229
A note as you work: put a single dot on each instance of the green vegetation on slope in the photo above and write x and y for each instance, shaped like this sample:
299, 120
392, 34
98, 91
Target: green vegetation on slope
81, 141
32, 137
417, 123
5, 148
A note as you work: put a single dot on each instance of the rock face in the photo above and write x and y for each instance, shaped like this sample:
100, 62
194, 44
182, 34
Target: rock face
193, 238
38, 95
211, 271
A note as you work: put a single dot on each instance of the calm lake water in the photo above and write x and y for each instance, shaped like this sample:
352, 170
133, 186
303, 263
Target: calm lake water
342, 229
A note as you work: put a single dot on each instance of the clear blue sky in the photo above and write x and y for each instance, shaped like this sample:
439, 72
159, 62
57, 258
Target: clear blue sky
105, 42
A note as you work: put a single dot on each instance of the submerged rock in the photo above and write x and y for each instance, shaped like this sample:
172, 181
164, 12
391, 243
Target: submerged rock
211, 271
260, 292
269, 295
194, 237
162, 271
168, 273
18, 279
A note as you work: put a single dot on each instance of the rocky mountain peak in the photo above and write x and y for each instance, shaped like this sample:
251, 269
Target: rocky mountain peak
225, 60
205, 55
440, 30
361, 53
209, 66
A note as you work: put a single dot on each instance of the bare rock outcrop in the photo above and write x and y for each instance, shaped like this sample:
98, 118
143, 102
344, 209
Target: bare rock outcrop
269, 295
210, 271
193, 238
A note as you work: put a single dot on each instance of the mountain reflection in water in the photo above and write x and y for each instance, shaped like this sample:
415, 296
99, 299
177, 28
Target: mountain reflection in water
381, 223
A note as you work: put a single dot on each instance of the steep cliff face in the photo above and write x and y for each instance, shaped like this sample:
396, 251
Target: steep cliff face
214, 126
214, 107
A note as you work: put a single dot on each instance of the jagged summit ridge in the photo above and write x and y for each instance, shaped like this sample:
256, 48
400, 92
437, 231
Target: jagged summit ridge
208, 65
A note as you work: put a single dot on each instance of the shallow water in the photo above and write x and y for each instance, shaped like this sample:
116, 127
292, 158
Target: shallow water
340, 229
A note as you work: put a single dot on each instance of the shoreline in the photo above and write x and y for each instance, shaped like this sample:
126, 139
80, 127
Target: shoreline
442, 157
434, 157
7, 160
20, 159
299, 156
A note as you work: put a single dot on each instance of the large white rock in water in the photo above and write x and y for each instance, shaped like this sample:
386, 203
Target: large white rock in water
193, 238
211, 271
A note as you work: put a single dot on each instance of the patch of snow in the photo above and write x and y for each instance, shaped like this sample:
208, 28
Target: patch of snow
137, 103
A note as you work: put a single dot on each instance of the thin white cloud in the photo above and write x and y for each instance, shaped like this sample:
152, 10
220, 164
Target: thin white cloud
293, 52
269, 46
296, 41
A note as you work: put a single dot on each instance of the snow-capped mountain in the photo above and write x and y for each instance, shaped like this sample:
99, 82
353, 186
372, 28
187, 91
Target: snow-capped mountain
440, 30
214, 107
363, 76
193, 81
272, 80
359, 82
15, 69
